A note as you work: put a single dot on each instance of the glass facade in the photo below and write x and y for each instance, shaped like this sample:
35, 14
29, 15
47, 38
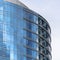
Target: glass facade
45, 39
22, 35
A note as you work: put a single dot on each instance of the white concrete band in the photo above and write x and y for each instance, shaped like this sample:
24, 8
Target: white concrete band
17, 2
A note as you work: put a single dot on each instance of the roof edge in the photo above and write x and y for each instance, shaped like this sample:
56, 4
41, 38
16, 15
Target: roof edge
17, 2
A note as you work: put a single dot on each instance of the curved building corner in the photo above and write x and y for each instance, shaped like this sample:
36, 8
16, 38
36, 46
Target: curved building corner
24, 34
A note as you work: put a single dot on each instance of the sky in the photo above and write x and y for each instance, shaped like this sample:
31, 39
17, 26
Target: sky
50, 10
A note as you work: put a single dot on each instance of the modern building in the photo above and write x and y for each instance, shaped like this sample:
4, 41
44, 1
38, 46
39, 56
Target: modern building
24, 34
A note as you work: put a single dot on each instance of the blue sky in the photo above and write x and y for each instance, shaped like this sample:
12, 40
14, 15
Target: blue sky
50, 9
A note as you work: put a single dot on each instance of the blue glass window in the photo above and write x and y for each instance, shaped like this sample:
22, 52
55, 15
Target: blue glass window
30, 16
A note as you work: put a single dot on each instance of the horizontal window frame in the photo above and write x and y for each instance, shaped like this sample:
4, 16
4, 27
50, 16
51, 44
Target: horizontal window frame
37, 35
38, 25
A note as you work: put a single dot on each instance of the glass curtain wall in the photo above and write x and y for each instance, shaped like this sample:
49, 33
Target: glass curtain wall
17, 38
